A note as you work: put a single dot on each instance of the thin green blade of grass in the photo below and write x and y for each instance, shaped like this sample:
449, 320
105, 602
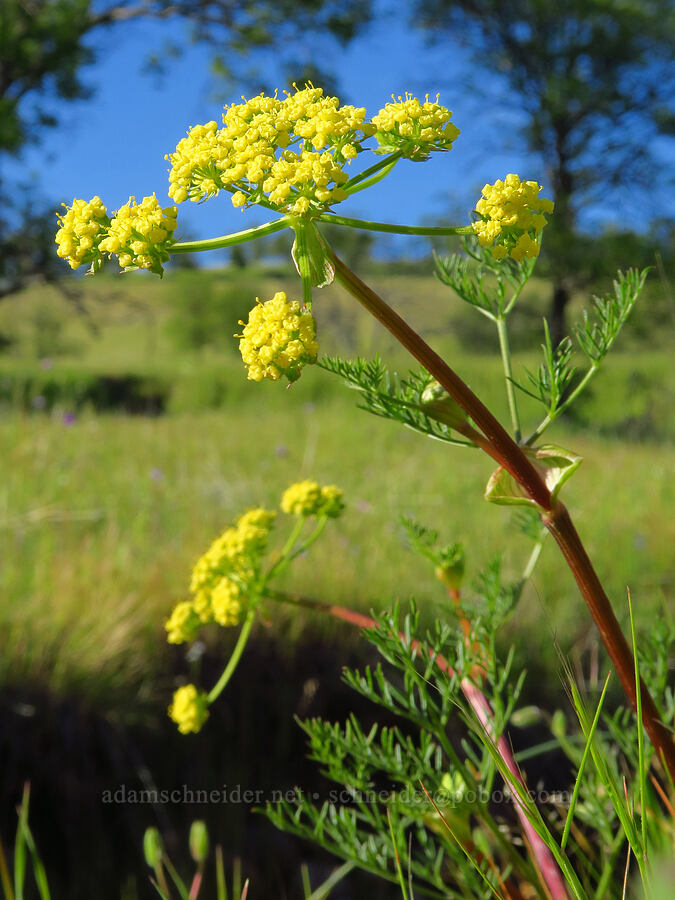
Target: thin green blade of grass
642, 774
221, 883
461, 845
177, 880
20, 848
5, 880
39, 872
159, 890
620, 807
582, 766
334, 878
531, 811
399, 870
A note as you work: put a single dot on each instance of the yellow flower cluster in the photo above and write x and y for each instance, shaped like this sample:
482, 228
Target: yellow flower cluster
222, 576
309, 498
139, 233
251, 156
513, 214
189, 709
82, 228
415, 128
278, 339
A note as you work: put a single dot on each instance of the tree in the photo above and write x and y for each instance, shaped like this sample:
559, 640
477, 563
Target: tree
595, 79
44, 49
43, 43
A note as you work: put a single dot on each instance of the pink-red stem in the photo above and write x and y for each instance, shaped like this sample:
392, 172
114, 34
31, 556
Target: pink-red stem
543, 858
502, 448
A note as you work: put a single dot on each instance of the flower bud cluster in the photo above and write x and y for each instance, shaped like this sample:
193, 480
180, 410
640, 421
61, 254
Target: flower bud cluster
82, 228
278, 339
138, 234
222, 577
309, 498
251, 154
189, 709
415, 128
512, 214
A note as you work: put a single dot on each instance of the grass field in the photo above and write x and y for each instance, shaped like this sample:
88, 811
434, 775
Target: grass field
102, 515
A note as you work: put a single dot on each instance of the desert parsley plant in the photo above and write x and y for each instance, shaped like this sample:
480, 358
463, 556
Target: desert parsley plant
299, 155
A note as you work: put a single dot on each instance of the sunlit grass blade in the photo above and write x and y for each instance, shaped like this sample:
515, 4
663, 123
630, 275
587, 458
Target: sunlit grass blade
399, 870
531, 811
461, 845
620, 804
323, 890
221, 883
642, 773
177, 880
5, 880
582, 766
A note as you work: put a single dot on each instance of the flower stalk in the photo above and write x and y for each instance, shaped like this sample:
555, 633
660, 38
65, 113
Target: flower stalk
545, 863
502, 448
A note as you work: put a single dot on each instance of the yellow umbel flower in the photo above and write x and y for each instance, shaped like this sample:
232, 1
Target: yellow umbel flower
415, 128
139, 234
182, 625
309, 498
233, 556
250, 155
512, 214
82, 228
278, 339
189, 709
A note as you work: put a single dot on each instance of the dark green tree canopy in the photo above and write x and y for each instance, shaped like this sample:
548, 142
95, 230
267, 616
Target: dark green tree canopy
43, 43
595, 80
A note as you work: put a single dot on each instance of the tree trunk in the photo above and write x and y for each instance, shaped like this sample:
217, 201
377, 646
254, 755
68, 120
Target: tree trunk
557, 318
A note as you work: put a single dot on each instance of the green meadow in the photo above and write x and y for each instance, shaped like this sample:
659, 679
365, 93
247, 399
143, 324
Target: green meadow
103, 512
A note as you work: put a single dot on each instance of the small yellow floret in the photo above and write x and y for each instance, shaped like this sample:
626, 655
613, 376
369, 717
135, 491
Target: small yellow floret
226, 603
189, 709
278, 339
230, 562
415, 128
140, 234
182, 625
308, 498
82, 228
512, 214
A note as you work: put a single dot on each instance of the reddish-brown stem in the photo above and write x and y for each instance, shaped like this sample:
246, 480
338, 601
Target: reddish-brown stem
559, 523
544, 861
501, 445
511, 457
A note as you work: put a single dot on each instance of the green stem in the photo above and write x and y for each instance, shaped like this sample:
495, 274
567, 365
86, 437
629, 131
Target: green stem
500, 322
365, 178
230, 240
286, 556
532, 561
233, 661
301, 257
509, 306
245, 189
553, 414
365, 225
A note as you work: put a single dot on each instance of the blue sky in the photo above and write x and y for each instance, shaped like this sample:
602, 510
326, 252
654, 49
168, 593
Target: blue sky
114, 144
